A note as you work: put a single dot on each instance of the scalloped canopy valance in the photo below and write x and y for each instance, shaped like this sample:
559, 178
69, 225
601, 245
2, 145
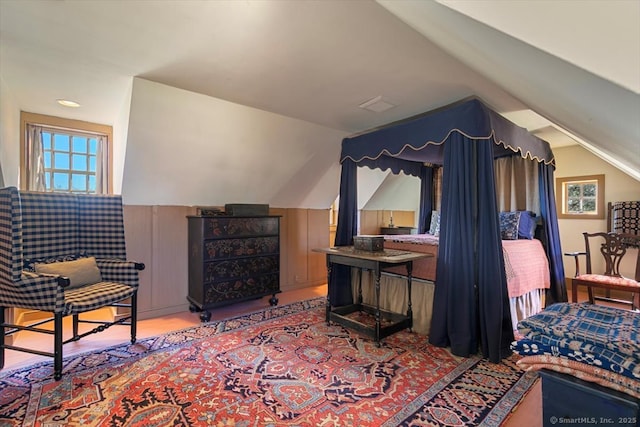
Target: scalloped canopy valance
405, 145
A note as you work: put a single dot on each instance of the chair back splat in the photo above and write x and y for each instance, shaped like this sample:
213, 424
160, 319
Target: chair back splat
611, 248
64, 254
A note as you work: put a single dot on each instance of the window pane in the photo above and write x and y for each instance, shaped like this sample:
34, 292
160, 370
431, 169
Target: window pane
574, 205
61, 142
61, 181
61, 161
79, 144
589, 190
573, 190
70, 161
46, 140
78, 182
589, 205
93, 145
79, 162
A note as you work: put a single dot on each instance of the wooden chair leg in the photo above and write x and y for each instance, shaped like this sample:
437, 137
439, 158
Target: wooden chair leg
574, 292
57, 346
590, 292
76, 321
134, 317
2, 337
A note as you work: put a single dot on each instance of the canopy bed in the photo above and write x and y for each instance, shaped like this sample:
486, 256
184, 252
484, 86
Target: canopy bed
470, 302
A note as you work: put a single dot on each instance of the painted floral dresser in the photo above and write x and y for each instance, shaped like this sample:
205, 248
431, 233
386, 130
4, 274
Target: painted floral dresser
232, 259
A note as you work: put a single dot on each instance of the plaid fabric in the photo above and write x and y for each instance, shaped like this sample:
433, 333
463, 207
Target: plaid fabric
91, 297
118, 271
101, 226
10, 236
49, 224
610, 327
52, 226
602, 336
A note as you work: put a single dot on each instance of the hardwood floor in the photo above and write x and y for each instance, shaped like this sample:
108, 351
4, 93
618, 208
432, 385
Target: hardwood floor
528, 413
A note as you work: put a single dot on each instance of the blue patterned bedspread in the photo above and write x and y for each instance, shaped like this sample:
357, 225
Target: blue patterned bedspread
601, 336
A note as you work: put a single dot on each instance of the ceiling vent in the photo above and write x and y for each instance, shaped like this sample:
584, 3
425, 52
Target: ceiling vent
377, 104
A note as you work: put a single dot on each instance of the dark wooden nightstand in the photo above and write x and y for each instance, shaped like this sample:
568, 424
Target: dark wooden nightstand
397, 230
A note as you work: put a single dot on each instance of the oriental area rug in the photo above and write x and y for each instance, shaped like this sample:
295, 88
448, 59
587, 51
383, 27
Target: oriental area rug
283, 366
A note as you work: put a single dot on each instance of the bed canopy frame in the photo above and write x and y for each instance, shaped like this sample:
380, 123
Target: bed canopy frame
471, 303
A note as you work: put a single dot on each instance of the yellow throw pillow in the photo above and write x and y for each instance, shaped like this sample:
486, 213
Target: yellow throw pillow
83, 271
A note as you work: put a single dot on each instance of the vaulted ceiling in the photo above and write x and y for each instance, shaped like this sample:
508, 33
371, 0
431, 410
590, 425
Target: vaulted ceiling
567, 71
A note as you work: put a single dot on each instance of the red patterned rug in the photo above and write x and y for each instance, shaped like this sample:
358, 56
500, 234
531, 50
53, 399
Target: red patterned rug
279, 367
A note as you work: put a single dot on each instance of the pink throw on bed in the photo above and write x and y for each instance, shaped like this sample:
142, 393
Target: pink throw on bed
526, 264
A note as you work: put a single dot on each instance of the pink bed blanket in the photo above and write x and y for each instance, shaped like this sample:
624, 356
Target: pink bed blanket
526, 264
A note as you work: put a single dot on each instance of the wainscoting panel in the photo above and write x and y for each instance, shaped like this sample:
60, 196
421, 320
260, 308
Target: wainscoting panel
137, 228
170, 256
158, 237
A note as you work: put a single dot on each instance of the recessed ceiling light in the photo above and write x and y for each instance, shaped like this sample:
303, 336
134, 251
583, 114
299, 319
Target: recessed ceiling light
68, 103
377, 104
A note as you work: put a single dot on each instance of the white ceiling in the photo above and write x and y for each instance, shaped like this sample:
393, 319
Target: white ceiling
318, 60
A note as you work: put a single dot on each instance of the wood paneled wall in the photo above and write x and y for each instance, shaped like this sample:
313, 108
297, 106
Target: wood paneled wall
157, 236
371, 221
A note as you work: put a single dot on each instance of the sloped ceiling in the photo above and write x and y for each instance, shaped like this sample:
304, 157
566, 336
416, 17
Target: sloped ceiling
601, 111
316, 61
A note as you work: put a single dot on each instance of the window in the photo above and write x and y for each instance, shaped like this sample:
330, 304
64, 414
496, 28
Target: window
580, 197
69, 161
65, 155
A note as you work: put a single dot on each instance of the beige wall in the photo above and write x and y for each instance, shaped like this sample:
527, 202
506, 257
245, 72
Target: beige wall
576, 161
372, 220
157, 236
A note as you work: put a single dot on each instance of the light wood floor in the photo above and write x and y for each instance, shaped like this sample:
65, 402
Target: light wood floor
527, 414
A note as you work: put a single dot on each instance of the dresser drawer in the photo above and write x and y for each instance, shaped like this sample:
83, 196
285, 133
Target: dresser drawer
216, 271
221, 293
234, 248
224, 227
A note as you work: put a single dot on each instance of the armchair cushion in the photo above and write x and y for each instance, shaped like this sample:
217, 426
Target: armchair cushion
81, 272
91, 297
609, 280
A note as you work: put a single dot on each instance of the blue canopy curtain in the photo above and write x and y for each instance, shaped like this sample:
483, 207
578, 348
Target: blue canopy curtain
426, 198
471, 306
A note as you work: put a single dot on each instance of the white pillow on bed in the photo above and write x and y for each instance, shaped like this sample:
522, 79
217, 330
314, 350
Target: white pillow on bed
434, 227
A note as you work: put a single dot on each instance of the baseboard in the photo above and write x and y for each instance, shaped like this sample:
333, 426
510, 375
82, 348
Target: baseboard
165, 311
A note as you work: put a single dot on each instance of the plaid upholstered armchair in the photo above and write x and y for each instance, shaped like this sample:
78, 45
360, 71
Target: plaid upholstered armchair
63, 254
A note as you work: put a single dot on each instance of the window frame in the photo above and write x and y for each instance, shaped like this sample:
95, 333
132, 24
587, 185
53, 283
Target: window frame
66, 125
562, 197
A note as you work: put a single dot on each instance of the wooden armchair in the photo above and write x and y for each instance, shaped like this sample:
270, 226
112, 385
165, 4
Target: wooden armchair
63, 254
612, 247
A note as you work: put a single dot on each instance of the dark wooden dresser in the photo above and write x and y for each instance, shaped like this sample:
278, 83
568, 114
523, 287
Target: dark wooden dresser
232, 259
397, 230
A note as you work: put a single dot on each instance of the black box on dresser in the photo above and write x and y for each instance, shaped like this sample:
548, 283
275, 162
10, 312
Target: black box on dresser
232, 259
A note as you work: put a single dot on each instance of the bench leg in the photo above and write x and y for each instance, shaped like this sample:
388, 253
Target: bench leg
134, 317
2, 337
57, 346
